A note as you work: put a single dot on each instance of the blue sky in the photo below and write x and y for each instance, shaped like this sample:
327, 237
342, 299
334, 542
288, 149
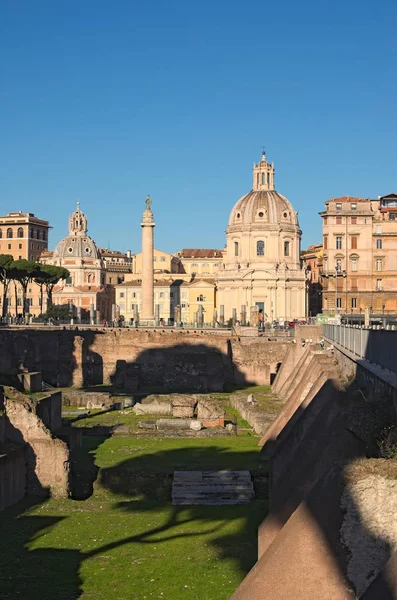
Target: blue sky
110, 101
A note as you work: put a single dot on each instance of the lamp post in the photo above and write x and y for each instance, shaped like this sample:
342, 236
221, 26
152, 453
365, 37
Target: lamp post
383, 316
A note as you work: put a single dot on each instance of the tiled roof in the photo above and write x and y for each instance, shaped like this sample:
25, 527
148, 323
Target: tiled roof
349, 199
200, 253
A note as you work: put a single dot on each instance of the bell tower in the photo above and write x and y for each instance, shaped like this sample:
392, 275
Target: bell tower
263, 175
78, 222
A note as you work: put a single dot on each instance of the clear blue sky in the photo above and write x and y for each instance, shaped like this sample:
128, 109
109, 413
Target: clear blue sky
110, 101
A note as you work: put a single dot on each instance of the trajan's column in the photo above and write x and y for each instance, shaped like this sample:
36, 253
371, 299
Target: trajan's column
147, 305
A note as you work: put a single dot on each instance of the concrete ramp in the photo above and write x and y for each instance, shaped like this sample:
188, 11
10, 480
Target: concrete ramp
212, 487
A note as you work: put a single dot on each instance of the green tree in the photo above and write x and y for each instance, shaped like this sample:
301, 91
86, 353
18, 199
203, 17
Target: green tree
53, 275
41, 278
5, 278
59, 311
23, 271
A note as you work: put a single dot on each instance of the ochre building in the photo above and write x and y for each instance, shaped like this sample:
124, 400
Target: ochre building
360, 255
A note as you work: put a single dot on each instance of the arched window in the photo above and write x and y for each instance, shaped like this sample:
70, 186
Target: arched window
20, 232
263, 178
268, 178
235, 248
260, 248
286, 248
9, 232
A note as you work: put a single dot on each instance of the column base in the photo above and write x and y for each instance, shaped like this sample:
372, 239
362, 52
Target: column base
147, 322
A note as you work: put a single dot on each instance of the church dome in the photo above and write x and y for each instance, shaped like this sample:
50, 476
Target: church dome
263, 205
77, 244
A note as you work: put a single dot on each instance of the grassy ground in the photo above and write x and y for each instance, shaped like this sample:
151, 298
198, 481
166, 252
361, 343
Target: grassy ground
126, 541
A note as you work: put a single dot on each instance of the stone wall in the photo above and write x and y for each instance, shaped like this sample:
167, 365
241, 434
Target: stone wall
47, 457
140, 360
49, 409
12, 476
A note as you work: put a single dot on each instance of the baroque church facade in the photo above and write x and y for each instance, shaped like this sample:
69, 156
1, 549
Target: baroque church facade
261, 269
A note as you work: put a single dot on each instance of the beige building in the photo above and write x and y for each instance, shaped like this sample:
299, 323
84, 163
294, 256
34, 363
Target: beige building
23, 235
360, 255
200, 262
168, 294
261, 268
162, 263
117, 265
312, 259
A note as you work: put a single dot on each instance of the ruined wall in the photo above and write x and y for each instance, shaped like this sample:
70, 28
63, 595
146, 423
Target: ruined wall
12, 476
141, 360
47, 457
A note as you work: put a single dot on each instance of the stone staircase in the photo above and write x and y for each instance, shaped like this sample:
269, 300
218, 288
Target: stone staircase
212, 487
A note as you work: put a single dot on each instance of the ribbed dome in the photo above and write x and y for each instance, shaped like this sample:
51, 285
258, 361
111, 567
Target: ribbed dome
77, 244
263, 206
76, 247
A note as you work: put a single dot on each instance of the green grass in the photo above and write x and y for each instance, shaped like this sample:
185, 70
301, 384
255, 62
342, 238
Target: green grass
127, 542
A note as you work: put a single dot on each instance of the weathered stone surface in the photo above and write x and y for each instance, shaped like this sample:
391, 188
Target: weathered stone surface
140, 360
195, 425
87, 399
211, 413
154, 408
183, 406
31, 382
47, 456
256, 417
173, 424
369, 528
212, 487
150, 425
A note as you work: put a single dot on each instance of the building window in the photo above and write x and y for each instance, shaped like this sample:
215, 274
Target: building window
354, 242
353, 206
20, 232
392, 216
338, 266
339, 303
260, 248
1, 233
378, 284
325, 241
68, 281
171, 294
19, 246
354, 302
201, 298
121, 294
162, 258
286, 248
9, 246
9, 232
339, 242
379, 244
110, 280
353, 220
338, 220
353, 283
134, 295
325, 220
379, 229
235, 248
161, 295
354, 264
263, 179
378, 264
338, 206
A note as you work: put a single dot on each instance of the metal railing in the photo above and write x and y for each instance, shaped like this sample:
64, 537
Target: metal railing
378, 346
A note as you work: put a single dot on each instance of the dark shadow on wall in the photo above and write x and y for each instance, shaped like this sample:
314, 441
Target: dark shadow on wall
180, 368
67, 358
322, 448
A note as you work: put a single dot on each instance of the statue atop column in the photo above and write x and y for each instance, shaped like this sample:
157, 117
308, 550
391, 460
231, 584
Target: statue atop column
148, 202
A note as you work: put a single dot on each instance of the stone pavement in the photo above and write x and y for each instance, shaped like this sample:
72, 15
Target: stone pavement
212, 487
